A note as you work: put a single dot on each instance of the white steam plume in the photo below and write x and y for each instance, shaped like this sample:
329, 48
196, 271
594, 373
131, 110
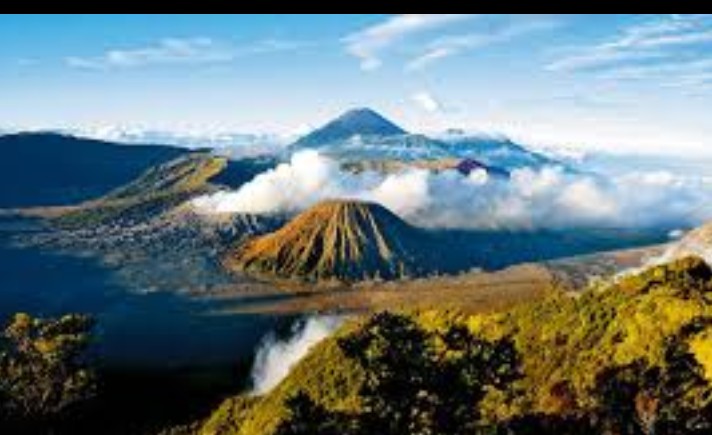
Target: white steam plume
544, 198
697, 242
274, 358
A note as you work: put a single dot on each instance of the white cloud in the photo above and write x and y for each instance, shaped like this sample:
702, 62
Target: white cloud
275, 358
599, 57
167, 51
27, 62
662, 40
456, 44
179, 51
83, 63
545, 198
368, 44
431, 56
426, 101
683, 74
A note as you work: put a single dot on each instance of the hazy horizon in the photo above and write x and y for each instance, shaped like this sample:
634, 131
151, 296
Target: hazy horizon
638, 83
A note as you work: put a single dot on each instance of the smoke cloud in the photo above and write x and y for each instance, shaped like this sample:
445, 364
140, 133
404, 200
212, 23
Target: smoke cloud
697, 243
550, 197
275, 358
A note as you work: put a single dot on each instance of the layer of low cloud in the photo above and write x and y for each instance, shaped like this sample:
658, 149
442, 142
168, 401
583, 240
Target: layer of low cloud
549, 197
275, 358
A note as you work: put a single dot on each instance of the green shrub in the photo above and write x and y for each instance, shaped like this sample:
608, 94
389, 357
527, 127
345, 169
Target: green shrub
43, 367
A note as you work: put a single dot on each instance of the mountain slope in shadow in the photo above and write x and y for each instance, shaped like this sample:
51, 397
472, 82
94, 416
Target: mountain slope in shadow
53, 169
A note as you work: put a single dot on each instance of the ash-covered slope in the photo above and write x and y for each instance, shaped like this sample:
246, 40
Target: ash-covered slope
342, 240
352, 241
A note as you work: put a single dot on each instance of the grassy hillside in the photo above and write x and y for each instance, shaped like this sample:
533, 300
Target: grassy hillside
158, 189
655, 325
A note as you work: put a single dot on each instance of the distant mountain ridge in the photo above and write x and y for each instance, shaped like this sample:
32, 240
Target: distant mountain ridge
363, 134
54, 169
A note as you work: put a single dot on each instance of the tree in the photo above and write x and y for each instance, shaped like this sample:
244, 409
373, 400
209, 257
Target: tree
642, 399
421, 382
397, 360
310, 418
43, 367
416, 382
618, 390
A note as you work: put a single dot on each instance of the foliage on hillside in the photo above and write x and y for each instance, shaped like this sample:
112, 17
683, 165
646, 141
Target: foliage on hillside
629, 357
43, 368
325, 374
566, 341
416, 381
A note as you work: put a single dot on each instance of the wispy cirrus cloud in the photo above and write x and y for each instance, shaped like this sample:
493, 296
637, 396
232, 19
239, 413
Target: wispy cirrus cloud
369, 44
179, 51
699, 70
453, 45
26, 62
666, 39
465, 32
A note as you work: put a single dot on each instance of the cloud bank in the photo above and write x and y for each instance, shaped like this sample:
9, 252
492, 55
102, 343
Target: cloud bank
275, 358
549, 197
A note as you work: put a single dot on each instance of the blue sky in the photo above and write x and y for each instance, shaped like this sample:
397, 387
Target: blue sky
620, 82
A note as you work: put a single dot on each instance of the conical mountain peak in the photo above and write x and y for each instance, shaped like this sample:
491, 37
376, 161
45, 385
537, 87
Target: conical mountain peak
342, 240
355, 122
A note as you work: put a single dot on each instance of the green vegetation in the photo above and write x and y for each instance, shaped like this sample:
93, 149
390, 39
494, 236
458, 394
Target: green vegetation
416, 381
187, 173
158, 189
631, 357
566, 341
325, 375
44, 371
